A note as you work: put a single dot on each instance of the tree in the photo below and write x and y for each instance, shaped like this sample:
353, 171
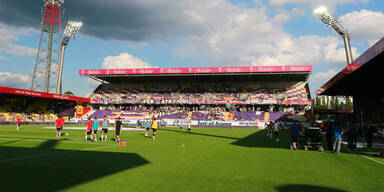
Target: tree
348, 104
317, 103
332, 103
68, 93
323, 104
337, 103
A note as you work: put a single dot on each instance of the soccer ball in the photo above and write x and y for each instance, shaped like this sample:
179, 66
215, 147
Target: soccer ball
66, 134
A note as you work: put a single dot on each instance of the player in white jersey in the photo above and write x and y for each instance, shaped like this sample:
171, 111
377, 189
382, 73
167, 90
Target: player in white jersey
189, 126
276, 128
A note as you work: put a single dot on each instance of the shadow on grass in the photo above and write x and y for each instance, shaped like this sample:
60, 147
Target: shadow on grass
47, 169
260, 139
257, 139
306, 188
194, 133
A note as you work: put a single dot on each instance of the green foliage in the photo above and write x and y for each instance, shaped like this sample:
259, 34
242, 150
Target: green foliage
68, 93
348, 104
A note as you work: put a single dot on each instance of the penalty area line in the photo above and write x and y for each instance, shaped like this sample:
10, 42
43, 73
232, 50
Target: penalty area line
53, 154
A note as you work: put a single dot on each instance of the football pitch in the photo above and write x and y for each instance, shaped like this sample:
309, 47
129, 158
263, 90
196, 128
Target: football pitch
209, 159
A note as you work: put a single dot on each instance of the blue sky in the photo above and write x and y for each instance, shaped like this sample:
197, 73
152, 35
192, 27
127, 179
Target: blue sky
186, 33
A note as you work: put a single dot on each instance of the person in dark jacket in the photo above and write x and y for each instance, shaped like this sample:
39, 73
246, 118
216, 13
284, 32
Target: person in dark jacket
329, 135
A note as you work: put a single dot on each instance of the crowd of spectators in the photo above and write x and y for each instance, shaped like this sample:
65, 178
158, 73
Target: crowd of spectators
32, 110
27, 117
195, 95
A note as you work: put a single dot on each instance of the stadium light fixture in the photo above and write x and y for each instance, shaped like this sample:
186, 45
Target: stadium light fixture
70, 31
323, 14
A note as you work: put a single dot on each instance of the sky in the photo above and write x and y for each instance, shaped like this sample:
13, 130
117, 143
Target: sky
188, 33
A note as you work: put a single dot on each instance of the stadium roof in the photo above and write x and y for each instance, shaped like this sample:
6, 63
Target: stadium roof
287, 72
362, 77
37, 94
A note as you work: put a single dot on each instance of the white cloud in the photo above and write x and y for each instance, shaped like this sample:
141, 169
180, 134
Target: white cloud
322, 77
364, 24
232, 33
305, 50
8, 37
15, 80
124, 60
249, 36
315, 2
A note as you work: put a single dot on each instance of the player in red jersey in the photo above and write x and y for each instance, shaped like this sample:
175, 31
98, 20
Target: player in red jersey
59, 126
89, 129
18, 123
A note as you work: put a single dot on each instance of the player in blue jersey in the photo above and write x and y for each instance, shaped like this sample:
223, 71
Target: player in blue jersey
104, 124
148, 124
95, 127
338, 134
295, 132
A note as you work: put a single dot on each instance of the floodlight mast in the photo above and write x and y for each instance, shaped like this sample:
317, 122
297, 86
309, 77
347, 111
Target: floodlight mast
46, 55
326, 17
70, 31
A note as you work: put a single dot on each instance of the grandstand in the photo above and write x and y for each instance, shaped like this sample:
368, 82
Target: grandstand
360, 80
34, 106
234, 94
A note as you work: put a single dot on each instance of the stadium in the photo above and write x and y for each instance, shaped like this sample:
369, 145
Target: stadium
182, 128
238, 96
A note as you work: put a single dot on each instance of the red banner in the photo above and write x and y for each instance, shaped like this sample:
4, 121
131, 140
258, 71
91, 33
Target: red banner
15, 91
81, 111
198, 70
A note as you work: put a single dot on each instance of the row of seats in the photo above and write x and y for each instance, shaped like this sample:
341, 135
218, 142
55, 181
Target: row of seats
293, 95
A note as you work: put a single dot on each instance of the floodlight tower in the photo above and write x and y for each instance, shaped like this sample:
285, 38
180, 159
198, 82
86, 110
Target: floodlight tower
46, 60
70, 31
326, 17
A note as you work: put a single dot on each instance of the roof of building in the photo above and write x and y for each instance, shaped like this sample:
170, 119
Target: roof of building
360, 78
38, 94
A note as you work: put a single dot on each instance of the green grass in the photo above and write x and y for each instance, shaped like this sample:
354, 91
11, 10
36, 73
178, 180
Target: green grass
212, 159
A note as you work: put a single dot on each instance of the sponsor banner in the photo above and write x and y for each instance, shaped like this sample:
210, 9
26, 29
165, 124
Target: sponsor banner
198, 70
24, 92
183, 123
297, 102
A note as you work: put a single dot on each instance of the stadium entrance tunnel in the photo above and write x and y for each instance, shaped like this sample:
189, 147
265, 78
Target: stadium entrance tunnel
46, 169
305, 188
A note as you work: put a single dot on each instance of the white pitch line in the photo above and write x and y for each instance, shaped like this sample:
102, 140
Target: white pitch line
372, 159
51, 154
